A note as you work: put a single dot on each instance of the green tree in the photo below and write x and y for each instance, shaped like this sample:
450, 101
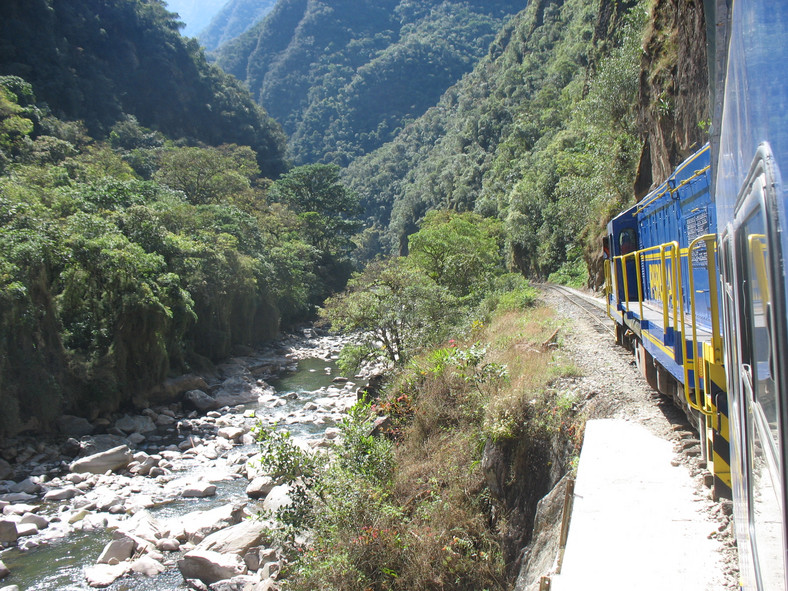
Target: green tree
326, 207
208, 175
461, 252
398, 308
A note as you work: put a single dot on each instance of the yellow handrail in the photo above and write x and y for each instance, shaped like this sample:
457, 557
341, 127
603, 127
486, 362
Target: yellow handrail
648, 202
662, 251
702, 403
608, 287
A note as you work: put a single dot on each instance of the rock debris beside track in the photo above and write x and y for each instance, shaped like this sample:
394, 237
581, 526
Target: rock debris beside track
610, 386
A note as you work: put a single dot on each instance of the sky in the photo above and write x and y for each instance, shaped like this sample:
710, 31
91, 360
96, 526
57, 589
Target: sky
197, 14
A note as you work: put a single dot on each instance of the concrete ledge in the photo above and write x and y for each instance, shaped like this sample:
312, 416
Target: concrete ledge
636, 522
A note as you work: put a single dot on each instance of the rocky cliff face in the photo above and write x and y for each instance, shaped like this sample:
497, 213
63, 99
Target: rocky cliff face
674, 89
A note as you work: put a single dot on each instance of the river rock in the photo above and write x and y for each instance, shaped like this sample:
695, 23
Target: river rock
103, 575
19, 497
277, 498
199, 490
94, 444
26, 529
112, 459
200, 400
239, 583
70, 448
136, 438
168, 545
237, 539
19, 509
164, 420
8, 533
231, 433
199, 524
144, 526
147, 566
210, 567
117, 550
61, 494
4, 570
72, 426
260, 487
135, 424
28, 486
39, 521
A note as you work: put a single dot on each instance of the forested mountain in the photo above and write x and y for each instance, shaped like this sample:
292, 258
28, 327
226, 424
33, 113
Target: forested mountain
343, 77
235, 18
98, 61
543, 134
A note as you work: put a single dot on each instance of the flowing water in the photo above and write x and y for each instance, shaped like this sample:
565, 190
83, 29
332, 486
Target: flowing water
60, 564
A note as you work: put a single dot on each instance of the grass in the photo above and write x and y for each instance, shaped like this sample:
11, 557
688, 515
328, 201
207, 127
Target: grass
430, 523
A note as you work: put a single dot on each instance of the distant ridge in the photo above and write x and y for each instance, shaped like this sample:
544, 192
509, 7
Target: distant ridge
235, 18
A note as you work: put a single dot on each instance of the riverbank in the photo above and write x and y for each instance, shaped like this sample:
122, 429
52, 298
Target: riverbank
154, 486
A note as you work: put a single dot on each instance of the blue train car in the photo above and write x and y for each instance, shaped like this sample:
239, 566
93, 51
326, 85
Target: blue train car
697, 285
750, 150
660, 277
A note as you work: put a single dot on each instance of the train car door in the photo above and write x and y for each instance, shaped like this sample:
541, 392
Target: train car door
761, 373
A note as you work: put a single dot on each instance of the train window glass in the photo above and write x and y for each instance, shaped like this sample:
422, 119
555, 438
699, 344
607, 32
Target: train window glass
758, 316
627, 241
761, 403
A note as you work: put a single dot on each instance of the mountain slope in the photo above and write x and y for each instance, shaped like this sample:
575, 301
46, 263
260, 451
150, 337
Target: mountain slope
541, 134
98, 61
234, 19
343, 77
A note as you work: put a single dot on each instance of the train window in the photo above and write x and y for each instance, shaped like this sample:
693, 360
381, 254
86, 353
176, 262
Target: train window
627, 241
758, 270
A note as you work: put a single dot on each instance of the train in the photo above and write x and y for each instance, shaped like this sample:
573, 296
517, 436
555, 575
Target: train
695, 281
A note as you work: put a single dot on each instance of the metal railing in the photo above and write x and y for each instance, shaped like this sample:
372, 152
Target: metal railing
703, 402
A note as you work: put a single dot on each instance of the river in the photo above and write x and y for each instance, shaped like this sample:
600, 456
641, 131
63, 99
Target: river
61, 563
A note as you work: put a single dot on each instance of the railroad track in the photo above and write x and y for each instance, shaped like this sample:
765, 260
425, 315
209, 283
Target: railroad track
590, 306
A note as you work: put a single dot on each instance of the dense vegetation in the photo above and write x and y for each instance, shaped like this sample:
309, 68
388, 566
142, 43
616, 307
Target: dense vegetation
122, 262
541, 135
344, 77
235, 18
100, 61
407, 504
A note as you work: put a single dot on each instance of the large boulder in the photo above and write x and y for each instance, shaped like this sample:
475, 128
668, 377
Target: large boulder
198, 490
103, 575
117, 551
276, 499
237, 539
260, 487
210, 567
200, 400
142, 526
147, 566
62, 494
94, 444
112, 459
4, 571
197, 525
